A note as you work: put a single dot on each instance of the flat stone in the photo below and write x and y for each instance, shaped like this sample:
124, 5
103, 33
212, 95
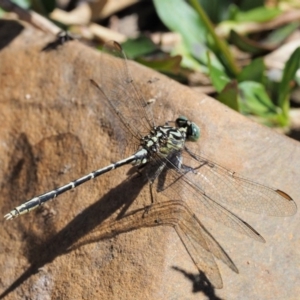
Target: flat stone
56, 127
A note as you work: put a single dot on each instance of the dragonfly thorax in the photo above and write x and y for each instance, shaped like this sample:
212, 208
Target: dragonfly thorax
164, 139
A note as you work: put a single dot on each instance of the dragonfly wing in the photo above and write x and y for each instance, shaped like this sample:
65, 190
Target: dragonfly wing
122, 94
200, 244
226, 187
203, 259
176, 184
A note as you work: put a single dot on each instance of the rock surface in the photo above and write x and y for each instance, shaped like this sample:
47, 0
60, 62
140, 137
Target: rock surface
56, 127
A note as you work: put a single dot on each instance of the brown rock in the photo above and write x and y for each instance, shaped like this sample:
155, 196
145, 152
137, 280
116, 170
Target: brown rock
56, 127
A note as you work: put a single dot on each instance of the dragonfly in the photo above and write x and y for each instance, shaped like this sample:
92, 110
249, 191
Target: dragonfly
163, 154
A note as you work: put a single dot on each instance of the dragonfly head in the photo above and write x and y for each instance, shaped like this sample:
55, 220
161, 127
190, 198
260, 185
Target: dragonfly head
192, 130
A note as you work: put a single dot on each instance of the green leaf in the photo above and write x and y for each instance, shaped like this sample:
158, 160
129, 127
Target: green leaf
215, 9
23, 3
229, 95
286, 85
250, 4
255, 100
180, 17
259, 14
166, 64
245, 44
216, 44
276, 37
218, 77
2, 12
138, 47
188, 60
253, 72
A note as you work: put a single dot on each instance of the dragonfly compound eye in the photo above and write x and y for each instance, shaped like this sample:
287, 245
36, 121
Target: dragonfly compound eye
193, 132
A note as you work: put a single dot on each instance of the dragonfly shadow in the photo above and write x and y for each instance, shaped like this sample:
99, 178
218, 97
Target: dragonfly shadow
200, 283
21, 173
81, 225
95, 223
10, 29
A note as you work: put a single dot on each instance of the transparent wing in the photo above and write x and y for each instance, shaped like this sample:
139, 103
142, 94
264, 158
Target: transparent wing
227, 187
123, 96
210, 188
175, 184
199, 243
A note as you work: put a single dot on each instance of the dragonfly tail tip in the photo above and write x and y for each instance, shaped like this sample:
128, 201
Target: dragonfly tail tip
10, 215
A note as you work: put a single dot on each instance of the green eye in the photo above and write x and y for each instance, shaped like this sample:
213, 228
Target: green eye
193, 133
192, 130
